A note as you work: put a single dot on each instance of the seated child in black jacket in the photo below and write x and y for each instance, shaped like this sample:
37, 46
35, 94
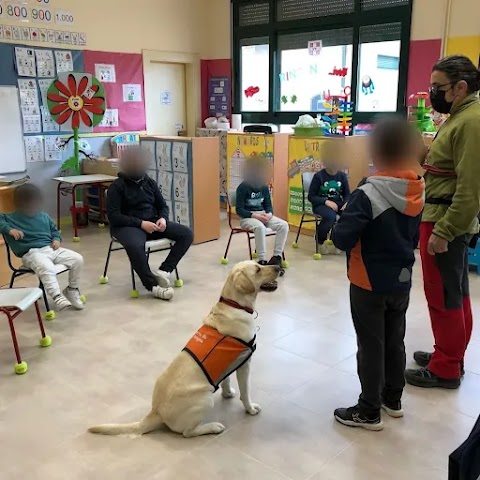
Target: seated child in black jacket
328, 194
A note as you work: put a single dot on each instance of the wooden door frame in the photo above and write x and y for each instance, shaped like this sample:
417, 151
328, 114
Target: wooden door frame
191, 63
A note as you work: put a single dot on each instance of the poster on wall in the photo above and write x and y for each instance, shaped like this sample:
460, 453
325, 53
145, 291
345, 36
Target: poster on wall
34, 149
25, 60
110, 118
28, 92
105, 73
166, 97
132, 93
45, 63
64, 61
52, 152
239, 148
304, 155
219, 97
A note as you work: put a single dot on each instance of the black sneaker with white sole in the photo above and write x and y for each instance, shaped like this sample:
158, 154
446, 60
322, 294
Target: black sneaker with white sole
424, 378
392, 409
423, 359
352, 417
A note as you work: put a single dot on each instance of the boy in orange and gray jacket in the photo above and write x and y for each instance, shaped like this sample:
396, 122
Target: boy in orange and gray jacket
379, 230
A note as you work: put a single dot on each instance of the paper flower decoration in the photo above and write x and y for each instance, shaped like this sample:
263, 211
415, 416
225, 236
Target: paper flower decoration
76, 101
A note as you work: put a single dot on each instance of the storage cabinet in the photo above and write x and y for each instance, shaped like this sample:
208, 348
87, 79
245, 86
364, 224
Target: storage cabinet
187, 171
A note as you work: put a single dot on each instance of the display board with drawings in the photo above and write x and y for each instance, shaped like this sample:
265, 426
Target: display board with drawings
173, 174
32, 70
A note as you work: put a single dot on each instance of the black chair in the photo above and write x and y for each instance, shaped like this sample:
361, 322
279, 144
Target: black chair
152, 246
18, 272
258, 129
307, 178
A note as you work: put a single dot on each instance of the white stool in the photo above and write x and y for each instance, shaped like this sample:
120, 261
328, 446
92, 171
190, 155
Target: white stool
13, 302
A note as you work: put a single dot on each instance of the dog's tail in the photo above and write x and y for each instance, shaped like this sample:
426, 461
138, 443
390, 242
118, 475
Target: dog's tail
151, 422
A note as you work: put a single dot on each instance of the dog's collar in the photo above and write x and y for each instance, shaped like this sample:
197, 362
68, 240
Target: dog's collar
236, 305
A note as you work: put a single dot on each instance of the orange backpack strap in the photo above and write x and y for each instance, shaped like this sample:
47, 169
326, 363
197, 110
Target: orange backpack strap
218, 355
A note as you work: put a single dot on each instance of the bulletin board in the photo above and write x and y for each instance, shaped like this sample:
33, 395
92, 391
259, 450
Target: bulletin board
122, 76
304, 155
31, 70
239, 148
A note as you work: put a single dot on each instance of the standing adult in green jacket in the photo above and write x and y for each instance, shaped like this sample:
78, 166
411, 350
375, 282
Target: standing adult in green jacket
452, 204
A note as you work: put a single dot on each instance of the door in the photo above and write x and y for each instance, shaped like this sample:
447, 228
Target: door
165, 98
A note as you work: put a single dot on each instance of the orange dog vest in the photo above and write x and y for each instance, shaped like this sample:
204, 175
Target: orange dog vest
218, 355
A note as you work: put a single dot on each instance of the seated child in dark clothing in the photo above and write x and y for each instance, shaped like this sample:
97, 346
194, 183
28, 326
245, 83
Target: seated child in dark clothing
329, 192
379, 230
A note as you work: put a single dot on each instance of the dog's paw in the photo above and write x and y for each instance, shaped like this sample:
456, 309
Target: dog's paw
253, 409
230, 393
217, 428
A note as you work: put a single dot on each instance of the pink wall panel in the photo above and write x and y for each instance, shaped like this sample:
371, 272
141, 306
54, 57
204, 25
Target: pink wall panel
423, 55
128, 70
213, 68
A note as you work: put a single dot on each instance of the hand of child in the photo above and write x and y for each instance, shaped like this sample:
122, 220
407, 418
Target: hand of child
161, 224
56, 244
149, 227
261, 217
344, 207
16, 234
332, 205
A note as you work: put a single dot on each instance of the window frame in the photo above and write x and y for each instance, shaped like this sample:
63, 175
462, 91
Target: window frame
356, 19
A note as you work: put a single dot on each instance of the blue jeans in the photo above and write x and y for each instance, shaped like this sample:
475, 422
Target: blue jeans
329, 217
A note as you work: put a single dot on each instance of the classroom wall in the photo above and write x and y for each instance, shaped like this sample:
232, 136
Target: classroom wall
123, 26
126, 26
428, 28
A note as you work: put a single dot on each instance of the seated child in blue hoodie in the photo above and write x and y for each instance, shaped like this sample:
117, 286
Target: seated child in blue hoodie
329, 192
379, 230
33, 236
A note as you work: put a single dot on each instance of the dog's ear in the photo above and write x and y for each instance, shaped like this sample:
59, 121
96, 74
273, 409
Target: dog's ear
243, 284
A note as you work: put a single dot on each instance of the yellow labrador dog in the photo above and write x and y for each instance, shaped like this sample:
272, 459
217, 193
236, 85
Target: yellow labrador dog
183, 394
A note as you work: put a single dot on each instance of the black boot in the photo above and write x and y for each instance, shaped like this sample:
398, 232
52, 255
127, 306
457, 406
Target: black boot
424, 378
423, 359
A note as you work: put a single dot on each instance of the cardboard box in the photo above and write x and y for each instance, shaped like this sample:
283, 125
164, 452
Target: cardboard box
104, 166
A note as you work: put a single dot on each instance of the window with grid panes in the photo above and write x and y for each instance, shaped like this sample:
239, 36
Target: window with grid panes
377, 86
306, 83
361, 44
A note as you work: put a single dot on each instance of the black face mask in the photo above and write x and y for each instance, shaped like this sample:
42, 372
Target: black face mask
439, 104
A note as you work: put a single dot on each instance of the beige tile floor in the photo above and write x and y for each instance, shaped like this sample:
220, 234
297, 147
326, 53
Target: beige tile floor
103, 362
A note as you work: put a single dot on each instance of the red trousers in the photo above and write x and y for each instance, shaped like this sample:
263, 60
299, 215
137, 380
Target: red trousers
445, 279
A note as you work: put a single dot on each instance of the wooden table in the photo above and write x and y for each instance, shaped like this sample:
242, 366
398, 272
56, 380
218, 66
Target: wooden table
71, 184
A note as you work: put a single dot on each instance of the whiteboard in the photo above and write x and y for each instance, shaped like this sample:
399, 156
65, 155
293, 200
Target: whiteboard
12, 147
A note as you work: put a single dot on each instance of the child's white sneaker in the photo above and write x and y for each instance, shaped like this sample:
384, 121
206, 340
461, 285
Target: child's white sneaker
73, 296
61, 302
163, 278
162, 293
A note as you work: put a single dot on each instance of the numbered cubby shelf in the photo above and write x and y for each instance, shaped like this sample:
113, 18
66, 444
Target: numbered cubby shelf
187, 171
